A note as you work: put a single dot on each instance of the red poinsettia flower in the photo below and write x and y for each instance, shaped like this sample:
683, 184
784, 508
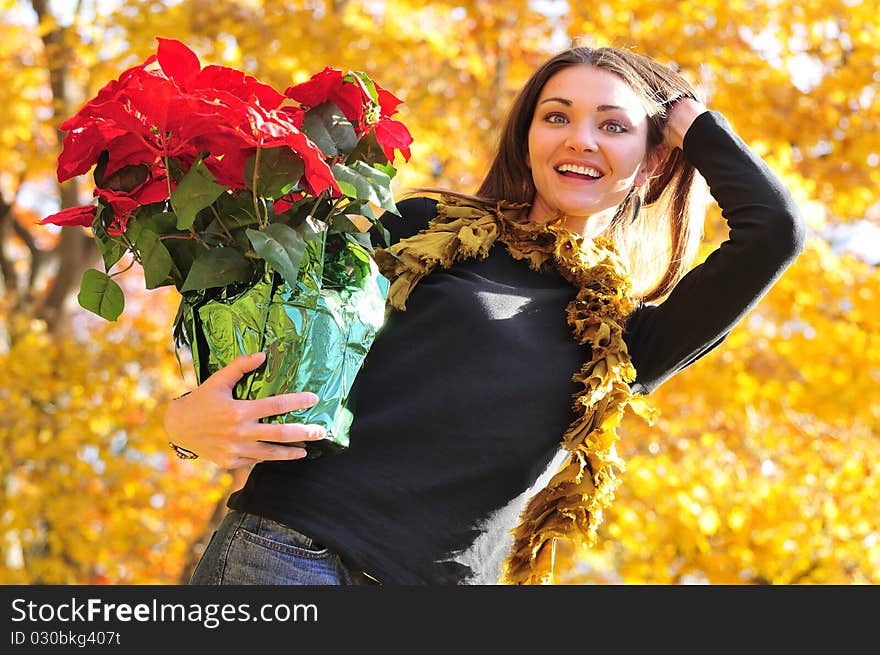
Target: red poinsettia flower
286, 202
248, 108
125, 203
72, 217
329, 86
349, 92
171, 108
391, 134
201, 156
272, 129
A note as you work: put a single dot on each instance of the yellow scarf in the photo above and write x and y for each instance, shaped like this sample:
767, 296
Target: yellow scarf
571, 504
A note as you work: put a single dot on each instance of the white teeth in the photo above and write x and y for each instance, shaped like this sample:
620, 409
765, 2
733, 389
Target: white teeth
580, 170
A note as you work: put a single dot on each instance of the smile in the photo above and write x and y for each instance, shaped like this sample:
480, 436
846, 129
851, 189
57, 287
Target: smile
576, 170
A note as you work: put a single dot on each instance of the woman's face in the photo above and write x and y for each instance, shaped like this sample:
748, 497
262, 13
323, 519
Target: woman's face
587, 148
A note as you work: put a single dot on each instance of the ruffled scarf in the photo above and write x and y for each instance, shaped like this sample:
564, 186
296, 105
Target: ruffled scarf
572, 503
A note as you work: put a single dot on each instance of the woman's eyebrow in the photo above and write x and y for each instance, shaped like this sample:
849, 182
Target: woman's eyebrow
564, 101
568, 103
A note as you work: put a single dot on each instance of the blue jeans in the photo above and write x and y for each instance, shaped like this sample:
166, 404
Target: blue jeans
250, 550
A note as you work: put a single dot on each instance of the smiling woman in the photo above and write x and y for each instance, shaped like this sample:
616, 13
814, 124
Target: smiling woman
485, 431
588, 148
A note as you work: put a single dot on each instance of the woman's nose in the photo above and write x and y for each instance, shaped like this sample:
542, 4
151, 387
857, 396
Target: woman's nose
581, 138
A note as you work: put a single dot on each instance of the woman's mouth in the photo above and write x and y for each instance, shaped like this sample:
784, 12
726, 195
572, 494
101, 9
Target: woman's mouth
579, 171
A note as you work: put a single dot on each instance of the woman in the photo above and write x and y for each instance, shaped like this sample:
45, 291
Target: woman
524, 319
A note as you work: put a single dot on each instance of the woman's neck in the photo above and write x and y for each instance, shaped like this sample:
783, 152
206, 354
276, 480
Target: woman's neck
589, 227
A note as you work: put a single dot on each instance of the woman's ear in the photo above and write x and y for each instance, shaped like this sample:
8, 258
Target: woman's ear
652, 160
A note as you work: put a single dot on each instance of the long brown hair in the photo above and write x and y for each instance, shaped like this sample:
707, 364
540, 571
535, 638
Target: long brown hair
658, 247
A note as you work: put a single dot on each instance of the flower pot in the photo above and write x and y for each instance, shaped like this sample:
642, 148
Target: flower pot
316, 333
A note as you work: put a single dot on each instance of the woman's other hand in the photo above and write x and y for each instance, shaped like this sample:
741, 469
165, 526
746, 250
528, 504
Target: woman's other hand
226, 431
682, 114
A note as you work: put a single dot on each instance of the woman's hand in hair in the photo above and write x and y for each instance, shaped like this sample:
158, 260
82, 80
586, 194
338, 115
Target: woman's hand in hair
682, 114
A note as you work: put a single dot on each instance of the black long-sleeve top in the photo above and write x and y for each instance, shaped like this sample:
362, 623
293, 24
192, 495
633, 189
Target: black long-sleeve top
462, 401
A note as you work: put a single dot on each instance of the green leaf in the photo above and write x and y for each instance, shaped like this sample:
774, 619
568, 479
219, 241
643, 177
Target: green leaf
218, 267
381, 184
367, 84
280, 170
351, 183
234, 210
310, 229
99, 294
341, 223
386, 168
179, 331
111, 248
159, 221
328, 127
239, 204
183, 253
361, 207
296, 208
368, 150
363, 182
197, 190
356, 216
282, 247
386, 235
155, 259
361, 239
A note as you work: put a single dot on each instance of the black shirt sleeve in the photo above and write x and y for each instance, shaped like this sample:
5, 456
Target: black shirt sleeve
766, 234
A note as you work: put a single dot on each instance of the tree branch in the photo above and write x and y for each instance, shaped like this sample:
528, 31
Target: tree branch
38, 255
75, 250
7, 271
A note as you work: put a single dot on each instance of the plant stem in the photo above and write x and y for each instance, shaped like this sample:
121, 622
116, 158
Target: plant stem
129, 244
197, 237
315, 206
254, 188
336, 203
187, 237
164, 138
167, 176
120, 272
220, 221
333, 207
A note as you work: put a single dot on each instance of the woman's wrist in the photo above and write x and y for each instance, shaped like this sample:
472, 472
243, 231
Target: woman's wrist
180, 451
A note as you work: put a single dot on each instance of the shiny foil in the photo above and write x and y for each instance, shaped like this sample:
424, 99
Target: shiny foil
316, 335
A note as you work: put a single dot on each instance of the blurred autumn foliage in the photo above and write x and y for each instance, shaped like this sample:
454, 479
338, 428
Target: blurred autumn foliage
761, 464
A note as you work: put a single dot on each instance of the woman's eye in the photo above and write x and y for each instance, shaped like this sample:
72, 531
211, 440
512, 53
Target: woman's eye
615, 127
556, 119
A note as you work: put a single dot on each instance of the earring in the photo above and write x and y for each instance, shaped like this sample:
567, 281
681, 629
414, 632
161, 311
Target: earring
637, 207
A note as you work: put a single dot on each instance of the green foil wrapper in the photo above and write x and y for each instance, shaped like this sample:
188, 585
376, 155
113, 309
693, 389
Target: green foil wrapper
316, 334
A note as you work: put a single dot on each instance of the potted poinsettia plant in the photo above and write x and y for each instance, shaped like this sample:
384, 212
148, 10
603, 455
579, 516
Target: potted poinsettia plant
256, 205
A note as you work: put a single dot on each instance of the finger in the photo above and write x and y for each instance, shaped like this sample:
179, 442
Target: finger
280, 404
267, 451
237, 463
287, 432
298, 444
232, 372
